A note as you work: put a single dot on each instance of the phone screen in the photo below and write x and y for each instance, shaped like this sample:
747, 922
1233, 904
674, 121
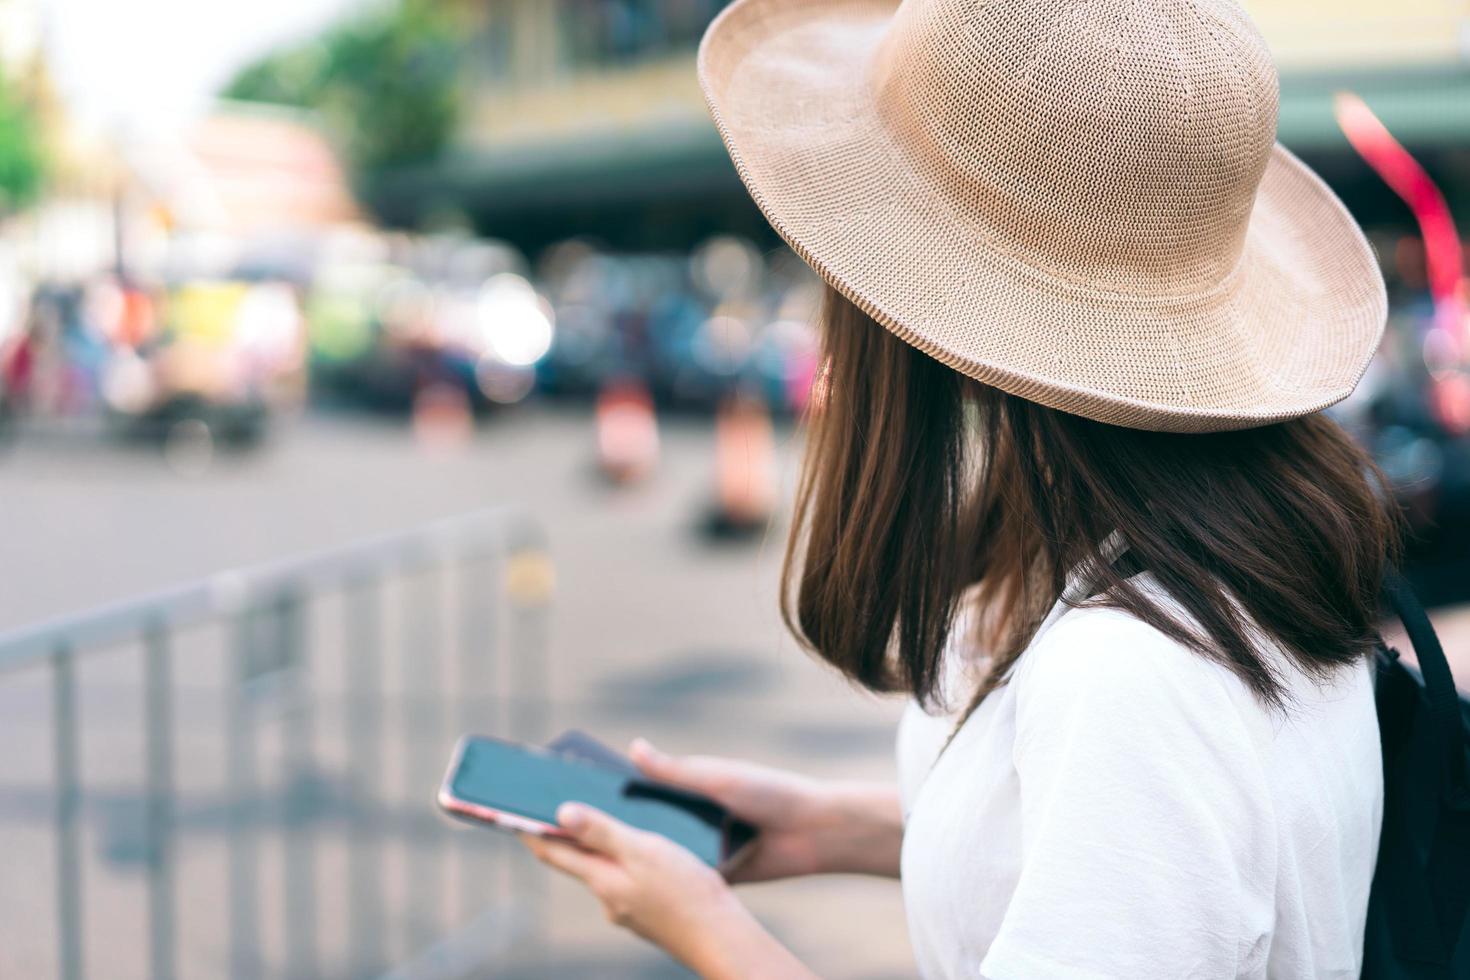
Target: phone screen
533, 783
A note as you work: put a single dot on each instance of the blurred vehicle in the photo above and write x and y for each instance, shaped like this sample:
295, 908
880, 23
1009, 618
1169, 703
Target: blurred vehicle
1419, 411
447, 313
211, 364
1414, 417
694, 328
51, 364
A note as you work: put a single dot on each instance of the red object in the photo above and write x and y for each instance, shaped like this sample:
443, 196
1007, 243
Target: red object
137, 321
17, 365
1443, 252
1444, 256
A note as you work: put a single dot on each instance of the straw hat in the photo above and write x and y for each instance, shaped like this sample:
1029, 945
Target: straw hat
1080, 202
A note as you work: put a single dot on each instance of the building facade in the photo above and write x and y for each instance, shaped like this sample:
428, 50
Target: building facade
585, 117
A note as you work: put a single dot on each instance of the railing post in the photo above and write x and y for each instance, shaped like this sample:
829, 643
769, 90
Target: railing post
365, 762
245, 960
301, 789
477, 598
68, 802
493, 579
424, 753
159, 736
530, 580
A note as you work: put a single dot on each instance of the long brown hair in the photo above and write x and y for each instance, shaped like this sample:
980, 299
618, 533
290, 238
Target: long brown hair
923, 489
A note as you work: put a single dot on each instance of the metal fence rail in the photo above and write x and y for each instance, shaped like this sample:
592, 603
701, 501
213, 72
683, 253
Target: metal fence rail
469, 599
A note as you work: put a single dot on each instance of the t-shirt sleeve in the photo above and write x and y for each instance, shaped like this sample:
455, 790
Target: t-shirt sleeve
1144, 810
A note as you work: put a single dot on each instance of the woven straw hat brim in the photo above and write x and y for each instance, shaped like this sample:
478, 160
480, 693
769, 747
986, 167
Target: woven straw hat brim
1288, 332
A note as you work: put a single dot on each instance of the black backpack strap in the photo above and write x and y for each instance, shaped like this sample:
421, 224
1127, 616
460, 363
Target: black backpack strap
1439, 683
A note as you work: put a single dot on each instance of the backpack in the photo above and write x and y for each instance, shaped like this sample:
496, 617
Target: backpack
1419, 908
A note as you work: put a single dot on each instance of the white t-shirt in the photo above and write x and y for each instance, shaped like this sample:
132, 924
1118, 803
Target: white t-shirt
1125, 808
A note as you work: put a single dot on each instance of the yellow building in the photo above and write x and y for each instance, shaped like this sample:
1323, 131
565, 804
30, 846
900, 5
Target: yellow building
586, 117
1361, 34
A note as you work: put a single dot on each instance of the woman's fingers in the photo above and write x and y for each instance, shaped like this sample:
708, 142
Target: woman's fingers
651, 761
563, 856
596, 831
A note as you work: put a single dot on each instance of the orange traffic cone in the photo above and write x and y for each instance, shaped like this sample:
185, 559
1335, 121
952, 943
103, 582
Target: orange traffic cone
745, 469
442, 419
627, 433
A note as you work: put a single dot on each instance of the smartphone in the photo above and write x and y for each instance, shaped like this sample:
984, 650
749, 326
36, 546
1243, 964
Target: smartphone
519, 787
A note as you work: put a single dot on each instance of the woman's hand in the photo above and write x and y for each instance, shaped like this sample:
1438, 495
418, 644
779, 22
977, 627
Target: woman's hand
661, 891
807, 826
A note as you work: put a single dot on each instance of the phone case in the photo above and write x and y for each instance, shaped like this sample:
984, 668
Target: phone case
738, 834
475, 813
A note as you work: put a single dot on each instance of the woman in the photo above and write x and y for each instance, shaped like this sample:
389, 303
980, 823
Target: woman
1068, 489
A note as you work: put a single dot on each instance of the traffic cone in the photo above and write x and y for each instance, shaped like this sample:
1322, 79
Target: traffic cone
745, 469
627, 433
442, 420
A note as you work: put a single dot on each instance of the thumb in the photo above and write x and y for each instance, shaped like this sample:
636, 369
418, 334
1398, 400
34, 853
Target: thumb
595, 830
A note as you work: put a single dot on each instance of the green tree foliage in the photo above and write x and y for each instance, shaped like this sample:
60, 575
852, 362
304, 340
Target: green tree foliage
22, 161
385, 81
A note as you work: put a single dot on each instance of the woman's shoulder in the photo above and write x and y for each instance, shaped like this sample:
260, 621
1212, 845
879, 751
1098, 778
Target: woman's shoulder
1102, 658
1110, 646
1106, 656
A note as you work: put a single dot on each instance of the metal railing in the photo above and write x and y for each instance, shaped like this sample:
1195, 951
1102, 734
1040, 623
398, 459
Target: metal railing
459, 608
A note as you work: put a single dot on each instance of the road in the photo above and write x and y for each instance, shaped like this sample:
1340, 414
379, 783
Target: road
654, 632
645, 613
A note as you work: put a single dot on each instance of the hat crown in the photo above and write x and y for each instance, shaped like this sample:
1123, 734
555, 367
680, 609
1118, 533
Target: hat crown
1115, 144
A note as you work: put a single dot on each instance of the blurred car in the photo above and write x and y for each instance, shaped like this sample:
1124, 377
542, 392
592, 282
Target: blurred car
223, 356
449, 315
694, 328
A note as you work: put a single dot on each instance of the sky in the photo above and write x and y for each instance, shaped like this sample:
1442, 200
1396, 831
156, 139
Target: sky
150, 65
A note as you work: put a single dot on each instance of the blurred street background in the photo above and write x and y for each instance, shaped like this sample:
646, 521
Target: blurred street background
281, 277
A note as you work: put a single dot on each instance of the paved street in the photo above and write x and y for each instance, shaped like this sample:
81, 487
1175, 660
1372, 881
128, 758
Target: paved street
655, 632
